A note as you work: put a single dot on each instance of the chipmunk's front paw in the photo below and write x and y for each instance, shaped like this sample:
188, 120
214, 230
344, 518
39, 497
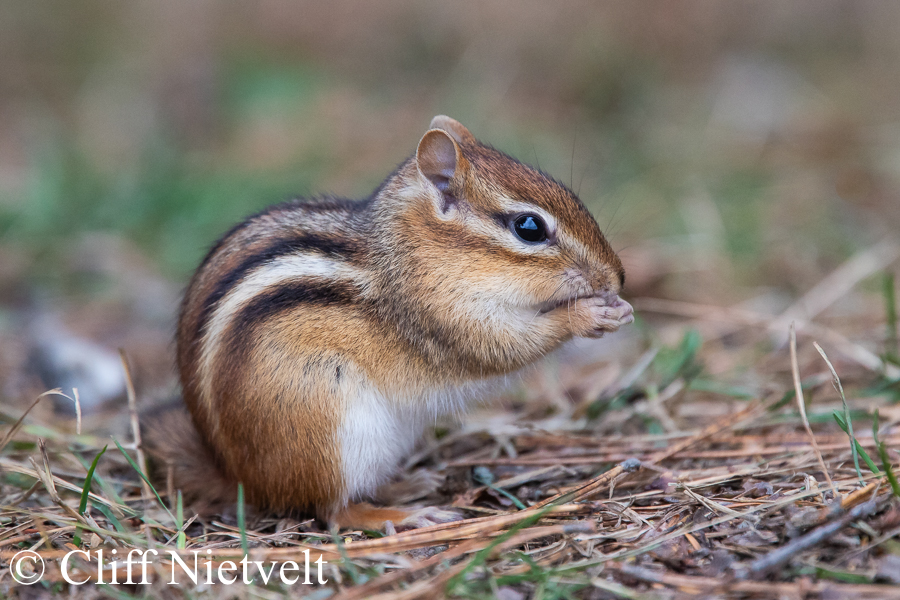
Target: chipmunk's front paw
606, 315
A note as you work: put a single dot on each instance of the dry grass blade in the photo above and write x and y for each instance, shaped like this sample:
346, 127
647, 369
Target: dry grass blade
47, 479
429, 536
717, 427
146, 492
836, 382
37, 473
710, 504
77, 400
860, 495
12, 430
801, 405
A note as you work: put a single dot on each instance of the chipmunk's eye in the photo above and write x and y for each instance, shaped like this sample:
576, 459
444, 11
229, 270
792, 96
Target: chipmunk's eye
530, 228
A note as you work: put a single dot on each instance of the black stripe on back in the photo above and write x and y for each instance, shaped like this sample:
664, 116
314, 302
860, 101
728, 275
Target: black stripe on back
307, 242
285, 296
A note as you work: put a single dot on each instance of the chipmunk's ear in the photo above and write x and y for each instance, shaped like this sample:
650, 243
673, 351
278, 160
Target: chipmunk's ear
440, 159
454, 128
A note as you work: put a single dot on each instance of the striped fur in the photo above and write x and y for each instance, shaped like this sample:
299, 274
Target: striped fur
318, 338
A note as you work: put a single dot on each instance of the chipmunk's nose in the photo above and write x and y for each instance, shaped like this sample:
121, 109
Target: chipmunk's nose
603, 278
609, 297
606, 286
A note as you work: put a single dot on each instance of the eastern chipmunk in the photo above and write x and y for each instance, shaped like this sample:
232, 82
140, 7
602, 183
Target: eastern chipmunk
319, 338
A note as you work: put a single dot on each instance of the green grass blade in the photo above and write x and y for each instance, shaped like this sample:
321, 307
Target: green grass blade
82, 506
355, 575
859, 449
865, 456
823, 572
484, 476
888, 469
518, 503
108, 490
111, 517
181, 542
885, 459
144, 477
725, 389
681, 361
456, 582
241, 519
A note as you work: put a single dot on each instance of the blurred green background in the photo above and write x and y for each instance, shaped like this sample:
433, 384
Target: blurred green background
726, 148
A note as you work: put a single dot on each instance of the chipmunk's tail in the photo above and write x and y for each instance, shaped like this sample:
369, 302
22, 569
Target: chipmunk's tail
181, 461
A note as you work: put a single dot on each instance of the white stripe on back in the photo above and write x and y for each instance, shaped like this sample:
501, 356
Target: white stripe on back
284, 269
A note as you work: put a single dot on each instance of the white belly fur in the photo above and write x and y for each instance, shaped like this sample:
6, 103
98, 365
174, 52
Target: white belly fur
377, 432
375, 436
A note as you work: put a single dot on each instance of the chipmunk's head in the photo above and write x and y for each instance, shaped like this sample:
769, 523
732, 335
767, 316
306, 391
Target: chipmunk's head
504, 215
498, 241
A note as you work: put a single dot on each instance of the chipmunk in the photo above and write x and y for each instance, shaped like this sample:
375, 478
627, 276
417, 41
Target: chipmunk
319, 338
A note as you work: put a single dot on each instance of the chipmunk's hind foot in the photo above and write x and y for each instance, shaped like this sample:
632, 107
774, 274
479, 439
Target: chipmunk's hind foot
374, 518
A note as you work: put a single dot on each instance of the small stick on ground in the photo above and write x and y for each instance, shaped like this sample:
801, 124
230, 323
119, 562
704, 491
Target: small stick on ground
782, 555
593, 486
859, 496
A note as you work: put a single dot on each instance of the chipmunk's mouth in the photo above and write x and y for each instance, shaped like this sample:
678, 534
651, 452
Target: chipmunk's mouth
554, 304
612, 301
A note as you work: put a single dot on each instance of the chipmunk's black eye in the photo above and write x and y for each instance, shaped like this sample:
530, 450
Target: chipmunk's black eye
530, 228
